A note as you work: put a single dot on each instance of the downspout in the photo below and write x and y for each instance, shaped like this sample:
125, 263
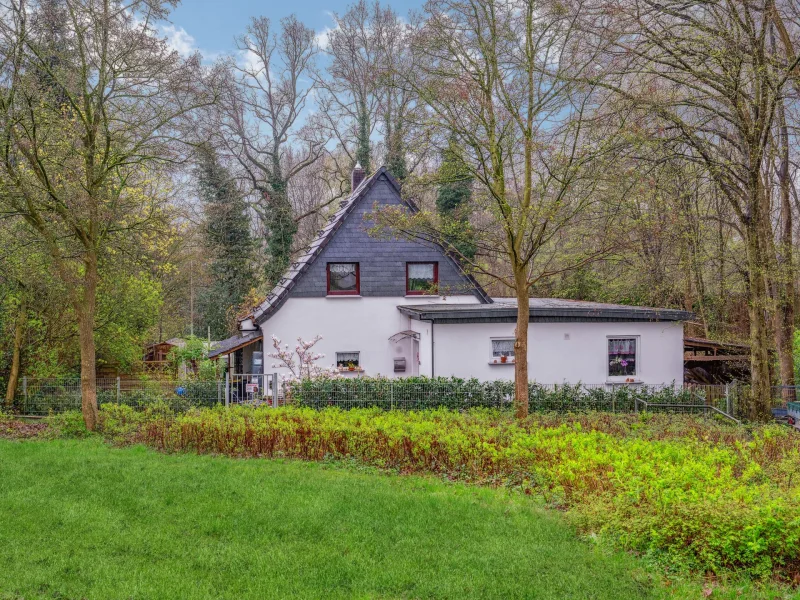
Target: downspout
433, 351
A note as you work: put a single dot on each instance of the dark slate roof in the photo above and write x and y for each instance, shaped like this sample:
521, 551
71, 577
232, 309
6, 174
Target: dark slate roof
234, 343
280, 292
504, 310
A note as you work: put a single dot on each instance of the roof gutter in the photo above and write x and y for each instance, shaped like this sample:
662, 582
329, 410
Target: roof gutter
483, 314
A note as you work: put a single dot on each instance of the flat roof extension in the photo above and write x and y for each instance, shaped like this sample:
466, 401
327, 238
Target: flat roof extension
542, 310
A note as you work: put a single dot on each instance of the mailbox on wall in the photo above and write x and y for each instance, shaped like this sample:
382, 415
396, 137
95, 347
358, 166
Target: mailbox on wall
399, 365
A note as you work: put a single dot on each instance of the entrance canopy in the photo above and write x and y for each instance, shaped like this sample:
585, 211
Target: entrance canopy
402, 335
232, 344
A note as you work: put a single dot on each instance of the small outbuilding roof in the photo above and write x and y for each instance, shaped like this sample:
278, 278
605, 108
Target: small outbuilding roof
240, 340
175, 342
543, 310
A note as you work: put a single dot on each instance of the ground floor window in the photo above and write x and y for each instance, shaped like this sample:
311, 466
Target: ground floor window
348, 359
503, 347
622, 356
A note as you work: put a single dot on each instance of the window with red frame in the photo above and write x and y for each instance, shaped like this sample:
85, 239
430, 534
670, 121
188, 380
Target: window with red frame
422, 278
343, 279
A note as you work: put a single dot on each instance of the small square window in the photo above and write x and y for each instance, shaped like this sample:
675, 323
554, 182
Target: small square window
504, 347
421, 278
344, 279
622, 357
348, 359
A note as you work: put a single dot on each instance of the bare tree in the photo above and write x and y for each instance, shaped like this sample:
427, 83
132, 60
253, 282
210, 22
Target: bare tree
349, 91
705, 70
497, 81
85, 117
261, 118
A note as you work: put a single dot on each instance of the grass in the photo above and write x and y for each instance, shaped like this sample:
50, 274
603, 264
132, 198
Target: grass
79, 519
698, 495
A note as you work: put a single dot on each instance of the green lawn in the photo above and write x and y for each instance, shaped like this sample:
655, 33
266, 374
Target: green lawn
79, 519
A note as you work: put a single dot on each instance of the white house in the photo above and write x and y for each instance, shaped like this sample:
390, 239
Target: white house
371, 301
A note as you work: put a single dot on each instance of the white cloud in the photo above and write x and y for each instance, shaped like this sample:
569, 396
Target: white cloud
322, 37
249, 61
179, 40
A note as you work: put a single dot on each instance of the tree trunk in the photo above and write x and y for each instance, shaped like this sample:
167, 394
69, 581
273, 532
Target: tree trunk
759, 405
19, 332
85, 308
785, 298
521, 345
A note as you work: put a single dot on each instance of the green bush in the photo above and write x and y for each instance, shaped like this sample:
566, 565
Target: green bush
421, 393
68, 424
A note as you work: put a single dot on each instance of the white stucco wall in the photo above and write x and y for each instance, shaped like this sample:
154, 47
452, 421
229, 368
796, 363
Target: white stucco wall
352, 323
466, 351
349, 324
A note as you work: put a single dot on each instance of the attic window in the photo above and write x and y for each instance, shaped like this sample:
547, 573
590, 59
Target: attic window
344, 279
421, 278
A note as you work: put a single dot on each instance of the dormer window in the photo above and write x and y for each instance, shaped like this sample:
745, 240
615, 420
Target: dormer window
344, 279
422, 278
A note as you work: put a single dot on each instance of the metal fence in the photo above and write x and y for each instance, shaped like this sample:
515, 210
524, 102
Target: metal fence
39, 397
462, 394
45, 396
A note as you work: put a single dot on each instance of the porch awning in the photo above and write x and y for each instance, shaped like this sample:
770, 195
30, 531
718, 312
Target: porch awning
408, 333
232, 344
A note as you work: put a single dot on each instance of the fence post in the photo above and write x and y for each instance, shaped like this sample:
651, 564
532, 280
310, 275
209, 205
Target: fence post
219, 391
227, 390
118, 390
274, 390
728, 400
25, 390
636, 404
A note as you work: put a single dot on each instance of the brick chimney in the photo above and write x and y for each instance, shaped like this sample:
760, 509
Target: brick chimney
357, 177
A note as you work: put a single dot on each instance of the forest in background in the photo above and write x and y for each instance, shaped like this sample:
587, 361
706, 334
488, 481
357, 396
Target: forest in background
639, 153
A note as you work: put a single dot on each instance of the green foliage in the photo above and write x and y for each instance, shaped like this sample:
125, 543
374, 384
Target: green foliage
195, 349
453, 201
195, 355
68, 425
396, 163
708, 496
581, 284
229, 243
455, 393
128, 307
796, 352
281, 228
363, 155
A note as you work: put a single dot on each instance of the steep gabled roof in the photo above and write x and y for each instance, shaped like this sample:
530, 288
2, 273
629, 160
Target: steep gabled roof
280, 292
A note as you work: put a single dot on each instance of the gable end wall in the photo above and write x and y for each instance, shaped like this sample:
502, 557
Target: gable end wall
382, 261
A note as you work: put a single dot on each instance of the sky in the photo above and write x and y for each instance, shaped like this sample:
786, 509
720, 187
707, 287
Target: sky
211, 25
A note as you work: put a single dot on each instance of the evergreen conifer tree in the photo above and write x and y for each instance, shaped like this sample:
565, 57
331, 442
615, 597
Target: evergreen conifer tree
453, 199
229, 242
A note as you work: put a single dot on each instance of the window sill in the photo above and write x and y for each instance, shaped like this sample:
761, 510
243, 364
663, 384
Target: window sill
497, 363
354, 371
630, 381
342, 296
